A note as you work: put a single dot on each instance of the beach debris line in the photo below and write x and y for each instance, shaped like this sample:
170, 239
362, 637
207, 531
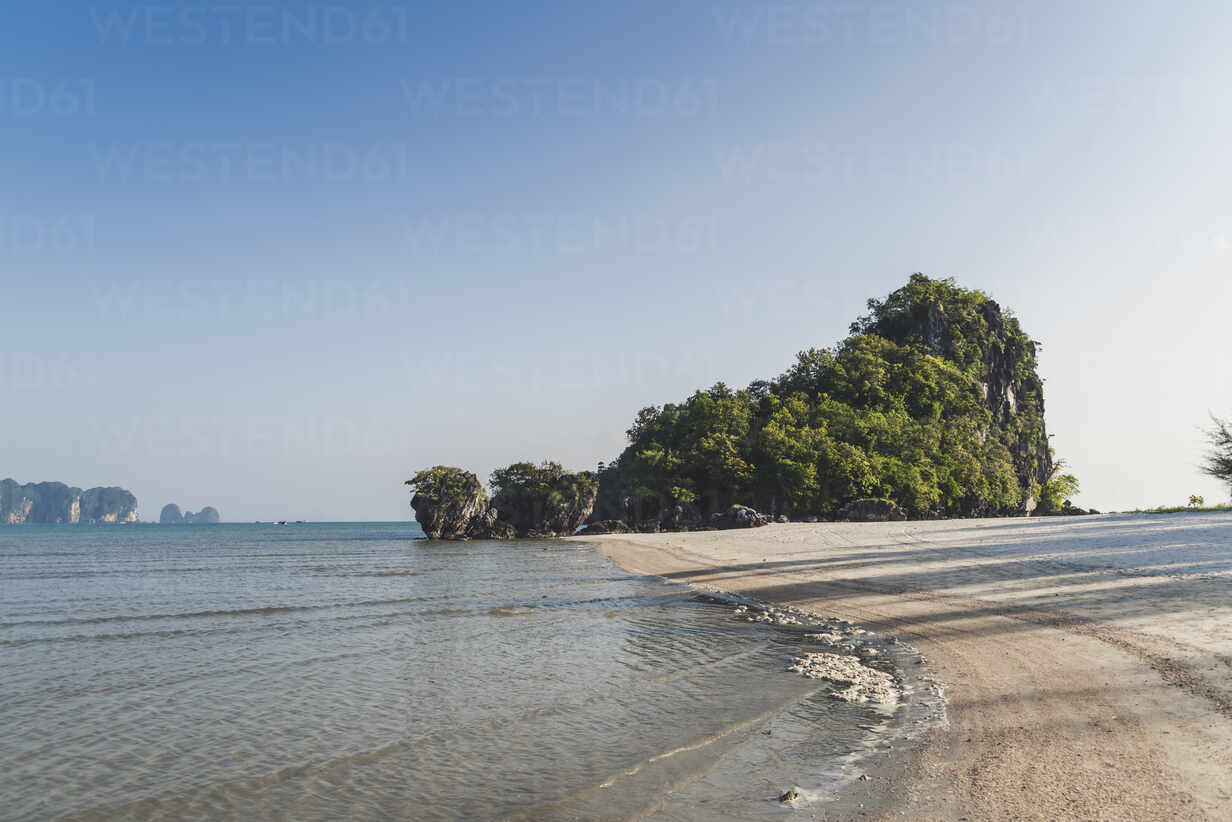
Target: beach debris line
864, 684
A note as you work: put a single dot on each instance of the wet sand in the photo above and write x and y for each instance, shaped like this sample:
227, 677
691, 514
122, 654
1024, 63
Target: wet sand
1087, 661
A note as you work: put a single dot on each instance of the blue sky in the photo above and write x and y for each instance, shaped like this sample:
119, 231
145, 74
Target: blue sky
274, 257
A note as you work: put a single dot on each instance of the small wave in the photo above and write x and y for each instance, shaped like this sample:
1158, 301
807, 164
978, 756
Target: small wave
510, 610
263, 611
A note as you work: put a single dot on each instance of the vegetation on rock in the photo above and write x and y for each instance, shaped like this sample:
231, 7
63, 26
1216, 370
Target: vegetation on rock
933, 403
447, 501
528, 500
544, 499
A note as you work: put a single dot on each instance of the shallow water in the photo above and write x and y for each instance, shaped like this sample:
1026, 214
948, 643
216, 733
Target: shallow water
314, 672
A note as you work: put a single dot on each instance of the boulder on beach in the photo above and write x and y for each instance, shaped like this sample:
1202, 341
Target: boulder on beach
871, 510
605, 526
739, 516
684, 516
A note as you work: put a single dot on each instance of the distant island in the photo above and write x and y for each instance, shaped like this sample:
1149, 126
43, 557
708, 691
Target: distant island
54, 503
171, 515
931, 408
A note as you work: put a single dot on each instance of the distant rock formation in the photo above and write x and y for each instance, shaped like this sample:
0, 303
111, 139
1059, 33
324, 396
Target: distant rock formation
56, 503
171, 516
206, 516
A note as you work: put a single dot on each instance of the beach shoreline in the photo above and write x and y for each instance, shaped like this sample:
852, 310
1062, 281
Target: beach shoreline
1086, 661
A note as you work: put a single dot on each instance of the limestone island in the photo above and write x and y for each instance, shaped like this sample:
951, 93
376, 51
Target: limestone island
171, 515
931, 408
54, 503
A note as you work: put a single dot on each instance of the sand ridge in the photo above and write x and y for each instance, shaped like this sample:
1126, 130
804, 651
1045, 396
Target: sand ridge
1087, 661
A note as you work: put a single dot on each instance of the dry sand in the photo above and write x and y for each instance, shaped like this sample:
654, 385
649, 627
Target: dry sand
1088, 661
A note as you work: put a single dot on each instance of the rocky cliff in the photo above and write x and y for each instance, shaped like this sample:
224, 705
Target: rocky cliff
56, 503
450, 503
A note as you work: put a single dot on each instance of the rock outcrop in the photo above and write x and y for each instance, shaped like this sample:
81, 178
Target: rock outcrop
449, 503
171, 515
543, 500
55, 503
871, 510
530, 501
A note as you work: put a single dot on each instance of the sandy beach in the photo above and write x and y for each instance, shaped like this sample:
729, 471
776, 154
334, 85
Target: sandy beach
1087, 661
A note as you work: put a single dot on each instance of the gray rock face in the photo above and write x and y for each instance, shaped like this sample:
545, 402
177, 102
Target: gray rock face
488, 526
451, 504
871, 510
56, 503
171, 515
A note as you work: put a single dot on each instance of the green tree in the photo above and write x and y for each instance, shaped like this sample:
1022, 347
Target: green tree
1219, 458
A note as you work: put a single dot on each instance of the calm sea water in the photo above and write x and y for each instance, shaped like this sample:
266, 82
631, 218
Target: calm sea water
324, 672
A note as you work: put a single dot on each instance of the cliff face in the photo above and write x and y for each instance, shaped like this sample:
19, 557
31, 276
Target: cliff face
56, 503
450, 503
171, 515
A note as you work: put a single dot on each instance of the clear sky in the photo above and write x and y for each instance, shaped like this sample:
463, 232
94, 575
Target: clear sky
274, 257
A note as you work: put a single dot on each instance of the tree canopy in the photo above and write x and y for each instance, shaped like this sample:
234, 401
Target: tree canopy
1219, 458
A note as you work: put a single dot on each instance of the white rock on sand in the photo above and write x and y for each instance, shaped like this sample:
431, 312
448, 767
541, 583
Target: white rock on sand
864, 684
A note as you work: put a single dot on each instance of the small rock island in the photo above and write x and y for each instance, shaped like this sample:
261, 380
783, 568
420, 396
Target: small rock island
171, 515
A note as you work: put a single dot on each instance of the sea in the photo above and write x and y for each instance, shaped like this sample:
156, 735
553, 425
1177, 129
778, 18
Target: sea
361, 672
